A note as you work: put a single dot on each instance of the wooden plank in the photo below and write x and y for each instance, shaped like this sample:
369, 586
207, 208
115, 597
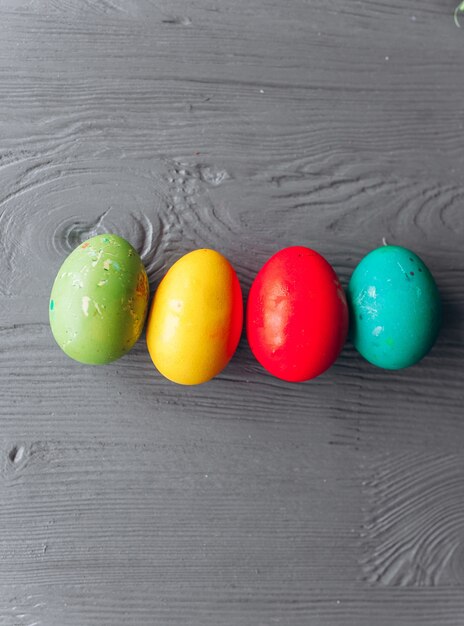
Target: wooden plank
247, 126
103, 604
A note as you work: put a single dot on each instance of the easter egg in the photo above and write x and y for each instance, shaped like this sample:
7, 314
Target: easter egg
99, 300
395, 308
196, 318
297, 315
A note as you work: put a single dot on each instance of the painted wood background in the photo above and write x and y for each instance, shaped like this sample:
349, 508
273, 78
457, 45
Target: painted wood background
246, 126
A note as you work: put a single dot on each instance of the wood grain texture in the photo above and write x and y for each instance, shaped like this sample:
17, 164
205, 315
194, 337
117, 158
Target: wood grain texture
416, 521
244, 126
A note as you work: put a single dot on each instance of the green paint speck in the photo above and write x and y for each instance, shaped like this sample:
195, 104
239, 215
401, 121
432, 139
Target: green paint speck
389, 341
52, 305
116, 266
105, 240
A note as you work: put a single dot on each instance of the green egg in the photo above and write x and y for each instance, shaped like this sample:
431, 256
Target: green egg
99, 300
395, 308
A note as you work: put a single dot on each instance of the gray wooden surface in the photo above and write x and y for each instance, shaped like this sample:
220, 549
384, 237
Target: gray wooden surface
245, 126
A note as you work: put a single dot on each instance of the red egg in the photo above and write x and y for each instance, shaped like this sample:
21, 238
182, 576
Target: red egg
297, 315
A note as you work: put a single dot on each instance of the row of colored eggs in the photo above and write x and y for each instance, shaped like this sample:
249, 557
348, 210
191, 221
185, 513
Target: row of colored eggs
297, 312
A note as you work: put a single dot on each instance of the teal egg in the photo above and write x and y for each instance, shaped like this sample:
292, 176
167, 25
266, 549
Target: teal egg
395, 308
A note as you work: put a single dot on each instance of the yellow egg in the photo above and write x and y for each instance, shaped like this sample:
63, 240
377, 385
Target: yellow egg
196, 318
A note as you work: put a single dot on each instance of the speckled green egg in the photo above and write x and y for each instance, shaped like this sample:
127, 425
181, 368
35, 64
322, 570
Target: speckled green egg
395, 308
99, 300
